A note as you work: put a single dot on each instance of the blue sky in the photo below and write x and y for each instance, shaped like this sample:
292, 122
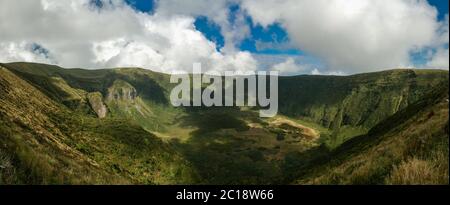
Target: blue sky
273, 40
259, 36
142, 5
442, 7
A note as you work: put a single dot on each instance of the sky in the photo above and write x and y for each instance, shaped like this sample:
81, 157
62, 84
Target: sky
326, 37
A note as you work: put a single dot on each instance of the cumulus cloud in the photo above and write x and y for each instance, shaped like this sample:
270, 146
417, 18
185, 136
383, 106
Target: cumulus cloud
318, 72
348, 36
440, 57
76, 33
353, 35
233, 25
290, 67
23, 51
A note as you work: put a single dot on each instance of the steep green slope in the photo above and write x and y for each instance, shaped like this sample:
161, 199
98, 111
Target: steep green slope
114, 118
350, 105
410, 147
148, 108
43, 142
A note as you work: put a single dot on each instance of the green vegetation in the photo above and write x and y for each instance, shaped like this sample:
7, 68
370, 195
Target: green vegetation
410, 147
351, 105
116, 126
44, 142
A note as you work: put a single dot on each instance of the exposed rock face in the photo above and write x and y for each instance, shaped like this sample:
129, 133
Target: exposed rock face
121, 90
96, 101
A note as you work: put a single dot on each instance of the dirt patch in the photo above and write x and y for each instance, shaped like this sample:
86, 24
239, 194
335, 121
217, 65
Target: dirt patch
306, 131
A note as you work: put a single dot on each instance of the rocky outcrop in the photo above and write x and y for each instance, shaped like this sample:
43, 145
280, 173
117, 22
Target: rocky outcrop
121, 91
96, 102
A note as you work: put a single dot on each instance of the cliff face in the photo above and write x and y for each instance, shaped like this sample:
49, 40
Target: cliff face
124, 101
358, 101
96, 102
121, 90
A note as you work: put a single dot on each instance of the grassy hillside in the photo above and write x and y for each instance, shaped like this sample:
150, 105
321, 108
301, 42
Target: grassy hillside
43, 142
351, 105
410, 147
117, 126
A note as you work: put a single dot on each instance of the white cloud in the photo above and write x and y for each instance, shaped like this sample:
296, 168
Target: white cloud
288, 67
348, 35
353, 35
443, 32
21, 51
318, 72
216, 10
77, 34
315, 72
439, 59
